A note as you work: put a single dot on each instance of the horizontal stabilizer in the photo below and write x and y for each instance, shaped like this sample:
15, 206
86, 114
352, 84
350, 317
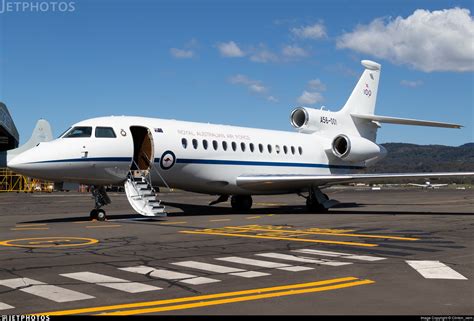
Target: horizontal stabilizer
405, 121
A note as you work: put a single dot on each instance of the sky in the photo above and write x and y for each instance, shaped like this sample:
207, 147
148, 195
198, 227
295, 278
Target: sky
244, 63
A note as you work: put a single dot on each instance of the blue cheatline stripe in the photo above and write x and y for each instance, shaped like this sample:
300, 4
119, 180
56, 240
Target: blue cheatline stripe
204, 161
258, 163
87, 159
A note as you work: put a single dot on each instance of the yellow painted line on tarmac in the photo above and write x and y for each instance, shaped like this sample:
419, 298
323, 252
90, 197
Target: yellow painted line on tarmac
281, 238
29, 228
240, 299
390, 237
218, 298
221, 220
101, 226
47, 242
29, 225
252, 217
270, 204
171, 223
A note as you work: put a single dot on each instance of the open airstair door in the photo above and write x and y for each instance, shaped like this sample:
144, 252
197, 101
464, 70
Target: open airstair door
138, 186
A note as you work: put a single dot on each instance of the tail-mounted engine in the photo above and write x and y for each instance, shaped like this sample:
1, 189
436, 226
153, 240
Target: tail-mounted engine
310, 120
356, 149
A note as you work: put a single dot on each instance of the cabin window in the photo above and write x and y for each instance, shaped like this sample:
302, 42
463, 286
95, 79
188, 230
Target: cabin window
269, 147
215, 144
195, 143
205, 144
300, 150
184, 142
224, 145
260, 148
293, 150
234, 146
79, 132
251, 147
242, 146
277, 149
285, 149
105, 132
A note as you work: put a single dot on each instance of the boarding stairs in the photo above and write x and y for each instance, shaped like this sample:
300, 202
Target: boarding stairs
141, 194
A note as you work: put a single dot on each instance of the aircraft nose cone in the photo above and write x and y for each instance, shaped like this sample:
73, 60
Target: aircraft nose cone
15, 164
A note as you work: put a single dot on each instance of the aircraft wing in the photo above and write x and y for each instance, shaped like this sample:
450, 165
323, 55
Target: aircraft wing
287, 182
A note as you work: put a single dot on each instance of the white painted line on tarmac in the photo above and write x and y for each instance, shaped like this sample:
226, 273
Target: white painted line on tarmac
340, 255
208, 267
4, 306
50, 292
264, 264
435, 270
169, 275
302, 259
250, 274
220, 269
111, 282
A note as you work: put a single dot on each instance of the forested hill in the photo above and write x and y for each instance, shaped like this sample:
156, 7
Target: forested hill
426, 158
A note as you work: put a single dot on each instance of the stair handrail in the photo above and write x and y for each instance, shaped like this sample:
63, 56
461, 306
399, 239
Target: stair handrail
152, 165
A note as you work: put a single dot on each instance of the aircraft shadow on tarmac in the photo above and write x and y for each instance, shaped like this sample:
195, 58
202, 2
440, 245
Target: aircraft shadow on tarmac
206, 210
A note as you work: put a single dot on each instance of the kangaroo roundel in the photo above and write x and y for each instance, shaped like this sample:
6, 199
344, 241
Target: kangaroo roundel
167, 160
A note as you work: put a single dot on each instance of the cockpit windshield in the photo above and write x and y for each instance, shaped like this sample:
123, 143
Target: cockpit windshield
77, 132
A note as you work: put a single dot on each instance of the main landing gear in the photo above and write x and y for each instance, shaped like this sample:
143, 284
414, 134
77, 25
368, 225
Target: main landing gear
318, 202
241, 202
101, 199
238, 202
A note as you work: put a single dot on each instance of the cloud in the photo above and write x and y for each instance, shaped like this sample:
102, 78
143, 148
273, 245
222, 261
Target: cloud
230, 49
316, 84
263, 55
315, 31
310, 98
181, 53
426, 40
254, 86
294, 51
411, 83
272, 99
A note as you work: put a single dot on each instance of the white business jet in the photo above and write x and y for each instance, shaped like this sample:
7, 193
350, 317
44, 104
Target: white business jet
237, 162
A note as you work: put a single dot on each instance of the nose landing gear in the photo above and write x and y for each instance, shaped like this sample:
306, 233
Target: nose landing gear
101, 199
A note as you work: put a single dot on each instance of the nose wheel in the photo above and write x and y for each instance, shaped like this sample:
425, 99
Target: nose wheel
98, 214
101, 198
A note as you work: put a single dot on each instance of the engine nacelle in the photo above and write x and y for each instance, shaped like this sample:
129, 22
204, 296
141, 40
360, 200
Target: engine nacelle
310, 120
356, 149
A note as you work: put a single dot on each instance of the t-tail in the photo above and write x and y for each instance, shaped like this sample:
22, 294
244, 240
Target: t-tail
352, 131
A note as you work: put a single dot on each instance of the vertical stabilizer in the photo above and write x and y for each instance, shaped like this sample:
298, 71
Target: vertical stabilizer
41, 133
364, 95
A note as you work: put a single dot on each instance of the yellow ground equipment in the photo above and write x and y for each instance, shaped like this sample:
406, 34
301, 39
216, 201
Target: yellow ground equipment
13, 182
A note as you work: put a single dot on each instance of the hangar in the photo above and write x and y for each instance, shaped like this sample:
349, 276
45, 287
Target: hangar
9, 137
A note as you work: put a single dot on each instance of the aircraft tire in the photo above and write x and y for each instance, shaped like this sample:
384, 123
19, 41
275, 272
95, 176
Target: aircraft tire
315, 207
101, 216
241, 202
93, 214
